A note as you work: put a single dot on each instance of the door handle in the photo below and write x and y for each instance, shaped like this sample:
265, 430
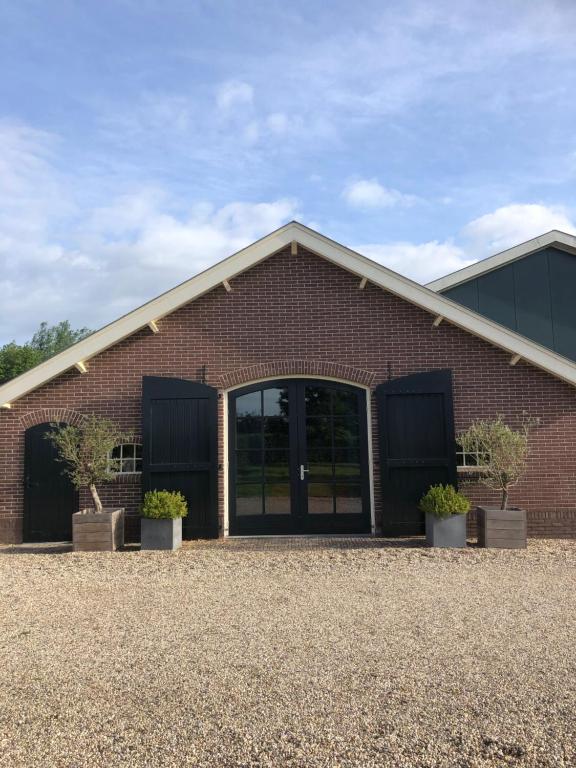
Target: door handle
303, 471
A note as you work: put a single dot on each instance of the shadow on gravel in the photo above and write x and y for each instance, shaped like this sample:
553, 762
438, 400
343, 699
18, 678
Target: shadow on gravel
45, 548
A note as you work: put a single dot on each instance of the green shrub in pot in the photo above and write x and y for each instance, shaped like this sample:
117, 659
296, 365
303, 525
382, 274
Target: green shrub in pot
164, 505
443, 501
445, 510
161, 522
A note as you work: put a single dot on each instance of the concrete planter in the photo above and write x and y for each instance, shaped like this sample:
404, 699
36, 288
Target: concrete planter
446, 531
160, 534
502, 528
98, 531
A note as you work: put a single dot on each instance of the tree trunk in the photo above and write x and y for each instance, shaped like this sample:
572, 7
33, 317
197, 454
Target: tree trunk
504, 498
95, 497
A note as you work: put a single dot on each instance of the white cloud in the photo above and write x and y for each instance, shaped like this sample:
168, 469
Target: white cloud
369, 193
513, 224
59, 261
420, 261
482, 237
234, 93
125, 254
278, 122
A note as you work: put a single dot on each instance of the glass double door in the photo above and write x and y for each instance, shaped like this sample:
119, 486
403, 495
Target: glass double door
298, 459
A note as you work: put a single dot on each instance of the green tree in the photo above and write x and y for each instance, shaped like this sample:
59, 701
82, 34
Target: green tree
85, 452
503, 452
46, 342
16, 359
49, 340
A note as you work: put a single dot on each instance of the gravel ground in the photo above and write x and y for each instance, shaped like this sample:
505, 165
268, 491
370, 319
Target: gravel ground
306, 656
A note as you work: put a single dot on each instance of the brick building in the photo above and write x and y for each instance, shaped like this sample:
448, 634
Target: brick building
295, 387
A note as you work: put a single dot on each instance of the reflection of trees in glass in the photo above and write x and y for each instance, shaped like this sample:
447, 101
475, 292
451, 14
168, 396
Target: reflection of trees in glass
276, 418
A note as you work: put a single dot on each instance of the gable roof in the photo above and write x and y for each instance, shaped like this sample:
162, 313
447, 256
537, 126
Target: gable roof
554, 238
153, 311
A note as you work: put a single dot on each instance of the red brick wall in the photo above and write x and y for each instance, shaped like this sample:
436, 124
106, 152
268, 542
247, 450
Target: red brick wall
300, 314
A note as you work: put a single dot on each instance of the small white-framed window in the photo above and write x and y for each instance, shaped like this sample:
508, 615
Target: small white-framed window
470, 461
125, 459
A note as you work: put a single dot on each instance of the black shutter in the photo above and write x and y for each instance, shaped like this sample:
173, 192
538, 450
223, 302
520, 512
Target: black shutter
180, 448
417, 446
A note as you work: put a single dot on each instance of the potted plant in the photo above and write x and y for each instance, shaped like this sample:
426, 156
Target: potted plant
161, 522
85, 451
503, 455
445, 510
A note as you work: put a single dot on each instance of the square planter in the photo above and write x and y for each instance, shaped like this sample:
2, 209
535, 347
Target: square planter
160, 534
98, 531
446, 531
502, 528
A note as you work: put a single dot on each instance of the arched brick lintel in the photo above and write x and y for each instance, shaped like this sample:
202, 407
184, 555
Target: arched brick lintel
48, 415
281, 368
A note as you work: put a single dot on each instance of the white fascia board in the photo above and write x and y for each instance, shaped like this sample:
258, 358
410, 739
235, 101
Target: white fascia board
562, 240
239, 262
437, 304
139, 318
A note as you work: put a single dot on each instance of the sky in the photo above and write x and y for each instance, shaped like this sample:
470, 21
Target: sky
143, 140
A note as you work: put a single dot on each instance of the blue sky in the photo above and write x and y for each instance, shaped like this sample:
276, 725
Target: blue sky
142, 140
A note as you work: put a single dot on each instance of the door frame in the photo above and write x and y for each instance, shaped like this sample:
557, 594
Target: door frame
308, 377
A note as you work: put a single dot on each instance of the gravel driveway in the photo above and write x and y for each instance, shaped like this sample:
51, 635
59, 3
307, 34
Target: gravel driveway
309, 656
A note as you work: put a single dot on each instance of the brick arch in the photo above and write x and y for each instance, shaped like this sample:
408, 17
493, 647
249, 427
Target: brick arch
47, 415
282, 368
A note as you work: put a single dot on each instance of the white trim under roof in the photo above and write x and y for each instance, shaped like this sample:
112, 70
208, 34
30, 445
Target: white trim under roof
555, 238
248, 257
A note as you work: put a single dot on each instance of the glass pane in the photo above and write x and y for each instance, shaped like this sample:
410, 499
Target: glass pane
138, 451
320, 464
251, 441
276, 432
276, 402
277, 465
115, 452
249, 405
127, 451
138, 465
344, 402
347, 463
249, 432
249, 500
346, 432
277, 499
348, 500
319, 432
249, 466
318, 401
127, 465
320, 499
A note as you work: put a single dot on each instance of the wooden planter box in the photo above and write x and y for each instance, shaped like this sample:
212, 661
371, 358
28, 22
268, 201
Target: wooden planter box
98, 532
160, 534
502, 528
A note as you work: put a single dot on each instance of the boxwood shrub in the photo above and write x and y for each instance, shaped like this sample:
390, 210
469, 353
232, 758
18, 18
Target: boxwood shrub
443, 501
164, 505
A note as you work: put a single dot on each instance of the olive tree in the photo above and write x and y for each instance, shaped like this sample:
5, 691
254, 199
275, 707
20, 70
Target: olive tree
85, 451
502, 452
